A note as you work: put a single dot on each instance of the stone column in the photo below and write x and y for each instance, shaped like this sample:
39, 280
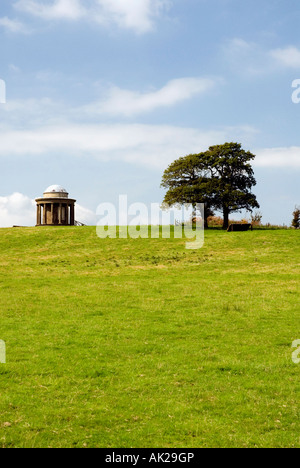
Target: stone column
52, 213
59, 214
67, 214
72, 220
44, 214
38, 215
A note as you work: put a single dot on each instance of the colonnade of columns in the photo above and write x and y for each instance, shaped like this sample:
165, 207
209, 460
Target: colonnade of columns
55, 213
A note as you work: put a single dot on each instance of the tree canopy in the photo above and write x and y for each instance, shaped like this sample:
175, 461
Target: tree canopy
221, 178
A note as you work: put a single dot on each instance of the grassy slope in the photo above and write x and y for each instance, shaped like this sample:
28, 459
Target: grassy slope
141, 343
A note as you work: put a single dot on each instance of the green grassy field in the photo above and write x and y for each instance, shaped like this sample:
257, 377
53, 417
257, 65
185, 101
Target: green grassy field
142, 343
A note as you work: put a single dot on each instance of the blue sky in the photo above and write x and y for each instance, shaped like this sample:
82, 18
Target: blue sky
101, 95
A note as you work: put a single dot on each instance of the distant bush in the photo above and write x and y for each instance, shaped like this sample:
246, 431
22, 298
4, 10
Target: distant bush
270, 226
296, 218
256, 218
215, 221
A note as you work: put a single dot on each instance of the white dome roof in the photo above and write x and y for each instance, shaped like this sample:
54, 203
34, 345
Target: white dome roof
55, 189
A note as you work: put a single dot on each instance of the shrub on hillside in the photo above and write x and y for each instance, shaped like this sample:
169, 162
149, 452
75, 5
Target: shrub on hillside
215, 221
296, 218
256, 218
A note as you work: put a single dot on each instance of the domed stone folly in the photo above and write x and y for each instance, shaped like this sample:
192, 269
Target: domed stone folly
55, 208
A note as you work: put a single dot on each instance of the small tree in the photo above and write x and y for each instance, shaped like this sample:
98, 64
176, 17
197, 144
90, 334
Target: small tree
256, 218
296, 219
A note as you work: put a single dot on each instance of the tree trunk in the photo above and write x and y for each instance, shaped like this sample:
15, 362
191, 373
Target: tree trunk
225, 217
207, 213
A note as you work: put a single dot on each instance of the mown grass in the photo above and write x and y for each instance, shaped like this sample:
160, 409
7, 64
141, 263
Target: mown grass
142, 343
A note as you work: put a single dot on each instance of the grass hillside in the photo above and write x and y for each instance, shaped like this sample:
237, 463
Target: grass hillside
142, 343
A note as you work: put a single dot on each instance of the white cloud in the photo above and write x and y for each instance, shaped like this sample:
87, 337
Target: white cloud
120, 102
28, 113
251, 58
247, 58
288, 57
14, 68
55, 10
37, 128
137, 15
239, 46
278, 157
239, 53
129, 103
85, 216
149, 145
13, 25
18, 210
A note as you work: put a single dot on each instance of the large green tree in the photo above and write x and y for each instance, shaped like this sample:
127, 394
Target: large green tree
188, 181
221, 178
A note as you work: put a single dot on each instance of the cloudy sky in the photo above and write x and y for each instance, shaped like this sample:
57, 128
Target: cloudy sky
101, 95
